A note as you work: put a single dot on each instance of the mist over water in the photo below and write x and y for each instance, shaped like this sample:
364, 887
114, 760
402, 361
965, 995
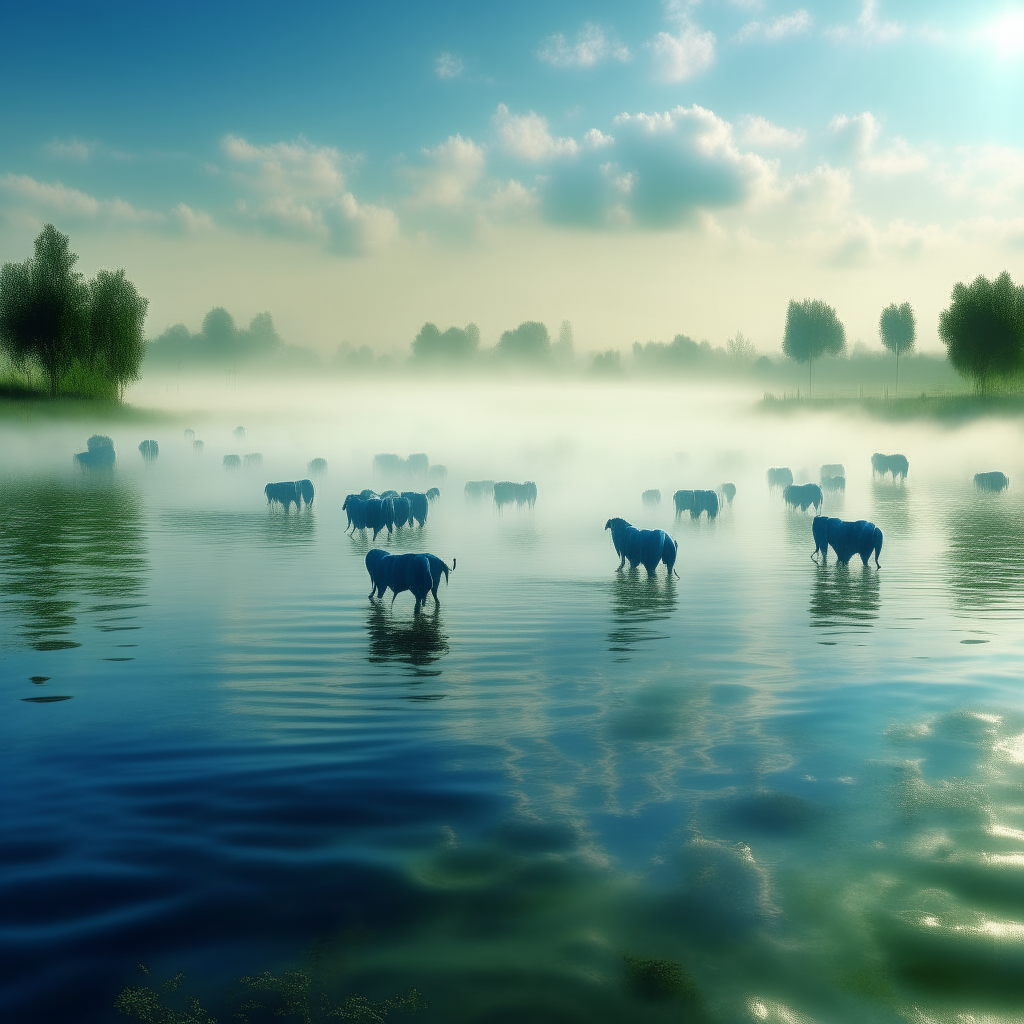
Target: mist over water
799, 782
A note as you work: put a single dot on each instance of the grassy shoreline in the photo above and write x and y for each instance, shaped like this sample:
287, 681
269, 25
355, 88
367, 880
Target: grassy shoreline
948, 408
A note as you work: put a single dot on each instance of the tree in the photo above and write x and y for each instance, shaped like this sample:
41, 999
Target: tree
898, 329
44, 312
219, 333
117, 313
529, 341
983, 329
812, 330
454, 344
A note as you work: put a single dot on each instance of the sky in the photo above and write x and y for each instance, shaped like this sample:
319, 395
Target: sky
640, 169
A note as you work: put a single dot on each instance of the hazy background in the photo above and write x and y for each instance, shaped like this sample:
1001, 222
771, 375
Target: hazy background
640, 170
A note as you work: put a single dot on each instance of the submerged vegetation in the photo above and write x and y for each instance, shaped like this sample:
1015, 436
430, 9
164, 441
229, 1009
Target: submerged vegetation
298, 995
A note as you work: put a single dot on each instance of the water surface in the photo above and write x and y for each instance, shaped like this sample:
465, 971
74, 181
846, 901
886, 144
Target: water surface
802, 783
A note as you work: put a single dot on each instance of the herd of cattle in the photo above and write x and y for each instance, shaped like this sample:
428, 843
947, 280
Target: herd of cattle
389, 510
421, 573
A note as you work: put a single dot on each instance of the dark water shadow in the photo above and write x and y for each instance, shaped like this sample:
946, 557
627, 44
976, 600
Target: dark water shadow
639, 602
67, 543
418, 643
846, 596
985, 553
890, 507
272, 525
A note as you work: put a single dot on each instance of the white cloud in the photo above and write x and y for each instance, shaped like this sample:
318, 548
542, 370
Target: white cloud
686, 52
596, 139
192, 220
70, 149
778, 28
60, 199
448, 65
300, 188
591, 47
869, 28
296, 168
858, 136
453, 169
760, 133
528, 137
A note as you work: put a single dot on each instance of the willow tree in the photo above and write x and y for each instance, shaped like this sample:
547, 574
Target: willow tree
983, 330
812, 330
898, 329
117, 313
44, 308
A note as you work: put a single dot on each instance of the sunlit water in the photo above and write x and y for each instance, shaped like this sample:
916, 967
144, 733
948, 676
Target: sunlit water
802, 783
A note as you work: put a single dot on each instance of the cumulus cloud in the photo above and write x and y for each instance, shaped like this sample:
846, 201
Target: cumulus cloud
680, 56
858, 138
57, 198
69, 149
778, 28
659, 170
596, 139
591, 47
452, 170
448, 65
687, 49
192, 220
760, 133
527, 136
869, 27
300, 188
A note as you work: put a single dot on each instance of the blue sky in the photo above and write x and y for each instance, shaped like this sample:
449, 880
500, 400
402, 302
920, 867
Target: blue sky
640, 169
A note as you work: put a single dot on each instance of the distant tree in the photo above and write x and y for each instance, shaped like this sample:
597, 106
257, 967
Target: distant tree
44, 308
529, 341
741, 349
262, 337
898, 329
812, 330
219, 334
563, 348
607, 364
682, 353
116, 343
454, 344
983, 330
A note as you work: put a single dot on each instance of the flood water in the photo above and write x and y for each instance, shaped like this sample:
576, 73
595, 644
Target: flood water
803, 784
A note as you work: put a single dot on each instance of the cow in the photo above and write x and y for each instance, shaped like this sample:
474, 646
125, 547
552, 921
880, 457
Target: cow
895, 464
399, 572
984, 481
779, 476
418, 506
284, 492
802, 496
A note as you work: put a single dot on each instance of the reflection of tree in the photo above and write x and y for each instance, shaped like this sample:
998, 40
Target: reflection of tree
638, 600
60, 541
845, 595
890, 507
418, 643
986, 538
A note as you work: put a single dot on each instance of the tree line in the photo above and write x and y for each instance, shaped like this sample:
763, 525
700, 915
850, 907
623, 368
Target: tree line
982, 329
54, 321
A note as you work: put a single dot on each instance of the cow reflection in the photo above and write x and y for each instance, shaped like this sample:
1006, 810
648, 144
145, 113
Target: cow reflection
845, 595
418, 642
638, 602
890, 508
